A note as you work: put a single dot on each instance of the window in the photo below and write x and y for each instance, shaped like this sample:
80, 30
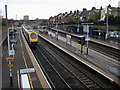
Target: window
33, 36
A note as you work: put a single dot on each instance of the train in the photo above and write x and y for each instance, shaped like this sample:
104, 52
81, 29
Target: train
30, 35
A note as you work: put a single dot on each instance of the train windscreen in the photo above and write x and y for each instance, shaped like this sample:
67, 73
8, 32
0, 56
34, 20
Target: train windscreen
33, 36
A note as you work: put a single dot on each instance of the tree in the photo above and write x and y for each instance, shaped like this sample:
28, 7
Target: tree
94, 17
44, 22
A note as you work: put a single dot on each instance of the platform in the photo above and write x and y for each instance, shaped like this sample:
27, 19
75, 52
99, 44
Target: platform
106, 43
22, 61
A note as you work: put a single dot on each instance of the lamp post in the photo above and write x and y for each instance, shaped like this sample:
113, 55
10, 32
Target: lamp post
7, 29
11, 81
107, 25
57, 30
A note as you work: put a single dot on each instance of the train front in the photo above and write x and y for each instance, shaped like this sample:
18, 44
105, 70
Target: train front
33, 38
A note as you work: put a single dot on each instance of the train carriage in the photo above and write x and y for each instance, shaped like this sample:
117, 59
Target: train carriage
31, 36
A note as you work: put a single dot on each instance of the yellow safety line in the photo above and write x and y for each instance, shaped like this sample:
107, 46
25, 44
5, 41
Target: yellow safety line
31, 84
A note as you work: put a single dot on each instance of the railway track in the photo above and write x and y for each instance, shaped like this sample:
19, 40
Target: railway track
90, 84
64, 72
56, 74
52, 74
110, 52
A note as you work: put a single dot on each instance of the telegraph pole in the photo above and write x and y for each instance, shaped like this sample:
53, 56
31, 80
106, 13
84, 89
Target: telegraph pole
7, 29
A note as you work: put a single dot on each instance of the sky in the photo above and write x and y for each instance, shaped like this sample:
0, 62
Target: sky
44, 9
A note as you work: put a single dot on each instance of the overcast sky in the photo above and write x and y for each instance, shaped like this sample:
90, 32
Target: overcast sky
46, 8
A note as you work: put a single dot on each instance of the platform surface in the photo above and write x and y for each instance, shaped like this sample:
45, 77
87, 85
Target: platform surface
21, 61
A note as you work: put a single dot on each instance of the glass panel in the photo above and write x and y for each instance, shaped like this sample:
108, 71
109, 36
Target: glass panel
33, 36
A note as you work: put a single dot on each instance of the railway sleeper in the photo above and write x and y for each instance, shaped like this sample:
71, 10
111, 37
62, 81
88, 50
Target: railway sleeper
80, 78
91, 85
86, 81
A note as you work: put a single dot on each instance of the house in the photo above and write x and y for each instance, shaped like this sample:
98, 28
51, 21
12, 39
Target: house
114, 11
90, 15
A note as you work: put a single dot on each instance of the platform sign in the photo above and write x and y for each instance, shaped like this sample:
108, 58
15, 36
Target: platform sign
10, 60
29, 70
85, 29
13, 40
10, 65
11, 52
87, 39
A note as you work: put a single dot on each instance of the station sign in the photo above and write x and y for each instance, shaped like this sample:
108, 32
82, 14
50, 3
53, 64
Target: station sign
10, 60
86, 28
13, 40
80, 36
28, 70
